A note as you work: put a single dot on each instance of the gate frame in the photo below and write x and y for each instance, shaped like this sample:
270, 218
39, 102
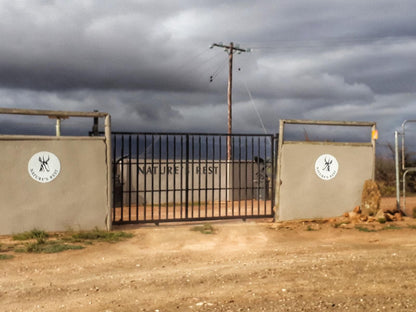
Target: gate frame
272, 138
404, 168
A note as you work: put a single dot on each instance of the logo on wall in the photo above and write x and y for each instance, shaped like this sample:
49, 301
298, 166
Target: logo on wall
44, 167
326, 167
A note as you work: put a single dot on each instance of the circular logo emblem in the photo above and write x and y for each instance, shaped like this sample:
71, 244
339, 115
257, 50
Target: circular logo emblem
44, 167
326, 167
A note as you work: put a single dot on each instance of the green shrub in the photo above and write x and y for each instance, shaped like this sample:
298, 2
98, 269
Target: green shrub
39, 235
204, 229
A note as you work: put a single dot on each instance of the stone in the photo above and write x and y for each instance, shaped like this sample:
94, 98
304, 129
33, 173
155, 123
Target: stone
370, 198
398, 216
380, 216
353, 216
389, 217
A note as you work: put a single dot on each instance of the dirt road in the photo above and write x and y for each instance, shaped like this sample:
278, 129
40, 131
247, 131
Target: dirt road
247, 266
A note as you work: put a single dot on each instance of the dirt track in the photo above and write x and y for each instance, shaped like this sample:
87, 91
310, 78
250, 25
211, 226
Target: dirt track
247, 266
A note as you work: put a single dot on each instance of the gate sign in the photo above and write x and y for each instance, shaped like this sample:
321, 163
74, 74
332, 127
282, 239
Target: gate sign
326, 167
44, 167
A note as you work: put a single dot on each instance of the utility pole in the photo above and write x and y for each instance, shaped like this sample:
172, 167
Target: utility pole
230, 49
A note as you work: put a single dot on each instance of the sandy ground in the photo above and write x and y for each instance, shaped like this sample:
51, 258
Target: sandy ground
244, 266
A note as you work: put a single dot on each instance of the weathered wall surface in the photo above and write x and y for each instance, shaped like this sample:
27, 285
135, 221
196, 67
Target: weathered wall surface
77, 197
304, 194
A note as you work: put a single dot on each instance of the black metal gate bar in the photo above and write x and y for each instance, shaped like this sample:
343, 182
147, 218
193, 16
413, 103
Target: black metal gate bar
191, 178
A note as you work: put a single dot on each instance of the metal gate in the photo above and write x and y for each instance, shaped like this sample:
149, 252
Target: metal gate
170, 177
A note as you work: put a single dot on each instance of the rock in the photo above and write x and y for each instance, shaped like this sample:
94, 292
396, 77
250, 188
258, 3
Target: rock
364, 218
370, 198
354, 216
380, 217
389, 217
398, 216
391, 210
357, 209
347, 225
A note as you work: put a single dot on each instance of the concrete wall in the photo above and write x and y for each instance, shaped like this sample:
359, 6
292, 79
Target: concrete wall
303, 194
205, 178
77, 197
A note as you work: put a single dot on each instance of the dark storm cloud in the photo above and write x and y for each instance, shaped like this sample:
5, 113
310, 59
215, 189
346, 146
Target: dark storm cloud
59, 46
148, 64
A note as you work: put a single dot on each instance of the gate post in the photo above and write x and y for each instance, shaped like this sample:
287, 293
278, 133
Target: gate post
107, 127
396, 162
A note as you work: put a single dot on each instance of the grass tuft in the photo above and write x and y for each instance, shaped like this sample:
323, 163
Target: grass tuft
47, 247
39, 235
100, 235
6, 257
38, 240
391, 227
204, 229
364, 229
339, 224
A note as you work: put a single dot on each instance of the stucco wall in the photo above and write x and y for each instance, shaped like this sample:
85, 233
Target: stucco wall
207, 181
76, 199
303, 194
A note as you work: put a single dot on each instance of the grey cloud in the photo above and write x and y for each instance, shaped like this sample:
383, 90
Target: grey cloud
148, 63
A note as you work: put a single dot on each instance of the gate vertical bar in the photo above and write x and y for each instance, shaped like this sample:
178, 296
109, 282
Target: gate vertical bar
258, 175
213, 177
206, 176
193, 175
266, 186
187, 176
273, 157
145, 179
199, 175
239, 175
219, 176
137, 177
122, 178
181, 177
130, 175
174, 177
246, 176
153, 179
167, 177
114, 175
252, 174
160, 177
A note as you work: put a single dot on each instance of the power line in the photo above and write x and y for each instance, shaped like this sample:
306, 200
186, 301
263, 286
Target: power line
289, 44
255, 108
219, 69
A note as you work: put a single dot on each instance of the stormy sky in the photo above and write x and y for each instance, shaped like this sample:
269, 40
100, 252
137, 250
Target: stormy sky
148, 63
